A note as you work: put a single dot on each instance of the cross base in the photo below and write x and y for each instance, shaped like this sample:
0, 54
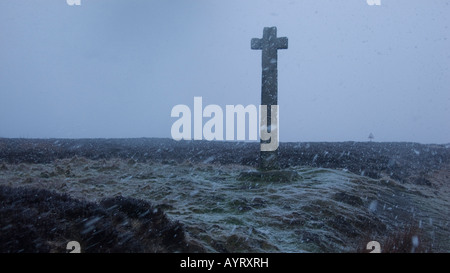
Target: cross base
268, 161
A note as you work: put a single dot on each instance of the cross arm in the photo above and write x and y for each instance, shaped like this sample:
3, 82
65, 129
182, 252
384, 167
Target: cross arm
256, 43
282, 43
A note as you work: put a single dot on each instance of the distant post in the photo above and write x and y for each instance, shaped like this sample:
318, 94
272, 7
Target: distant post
269, 44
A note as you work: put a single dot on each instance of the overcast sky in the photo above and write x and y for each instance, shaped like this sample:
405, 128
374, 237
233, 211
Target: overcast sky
115, 68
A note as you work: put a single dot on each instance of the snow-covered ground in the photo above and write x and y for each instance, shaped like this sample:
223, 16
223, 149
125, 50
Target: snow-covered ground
325, 210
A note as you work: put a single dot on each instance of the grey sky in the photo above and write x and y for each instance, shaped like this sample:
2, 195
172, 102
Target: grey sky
115, 68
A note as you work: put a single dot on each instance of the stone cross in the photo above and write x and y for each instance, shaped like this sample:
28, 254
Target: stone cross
269, 44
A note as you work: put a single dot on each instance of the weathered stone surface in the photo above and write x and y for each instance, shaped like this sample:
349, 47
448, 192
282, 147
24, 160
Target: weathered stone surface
269, 44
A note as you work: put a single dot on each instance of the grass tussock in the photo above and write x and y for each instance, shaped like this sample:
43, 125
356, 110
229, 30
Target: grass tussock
37, 220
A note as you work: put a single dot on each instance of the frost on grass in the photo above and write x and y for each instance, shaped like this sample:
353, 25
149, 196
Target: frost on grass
328, 207
323, 210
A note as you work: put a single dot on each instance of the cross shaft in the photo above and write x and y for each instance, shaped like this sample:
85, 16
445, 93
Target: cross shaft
269, 44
